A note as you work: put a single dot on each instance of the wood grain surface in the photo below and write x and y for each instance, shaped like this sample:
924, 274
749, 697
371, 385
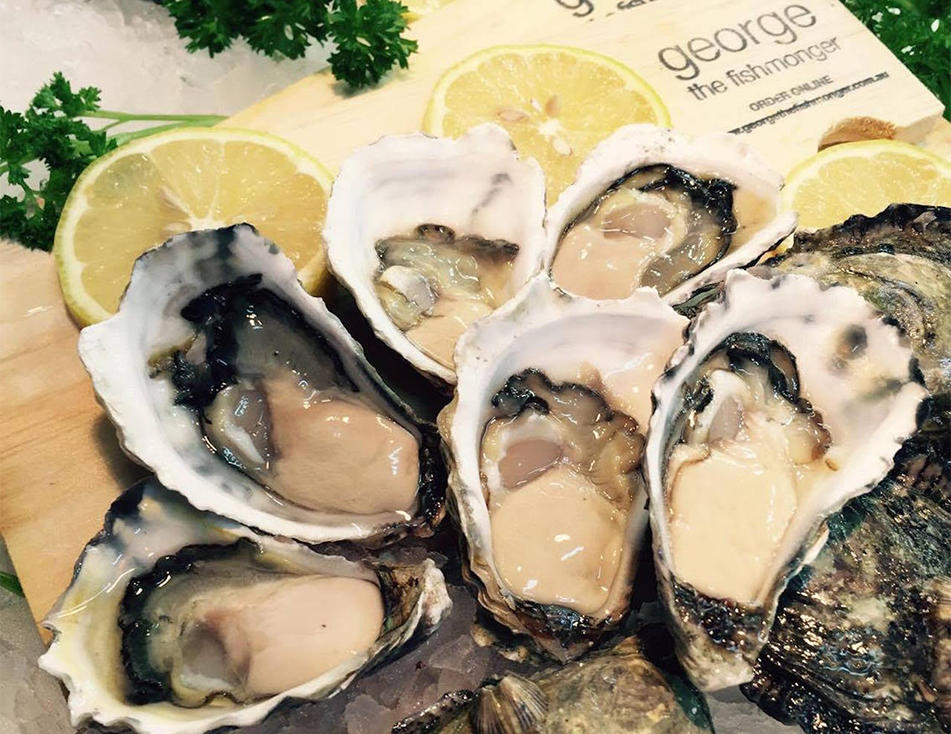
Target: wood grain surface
60, 463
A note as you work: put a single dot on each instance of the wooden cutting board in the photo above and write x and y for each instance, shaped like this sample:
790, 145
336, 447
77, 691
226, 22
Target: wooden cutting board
60, 463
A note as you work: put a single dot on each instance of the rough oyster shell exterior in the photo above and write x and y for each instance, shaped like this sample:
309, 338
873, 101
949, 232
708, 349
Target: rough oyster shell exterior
900, 262
618, 691
847, 651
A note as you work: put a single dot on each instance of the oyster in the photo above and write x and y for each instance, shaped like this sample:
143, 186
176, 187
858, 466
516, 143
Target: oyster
860, 641
851, 648
787, 401
900, 261
652, 207
432, 234
247, 395
180, 621
544, 439
616, 691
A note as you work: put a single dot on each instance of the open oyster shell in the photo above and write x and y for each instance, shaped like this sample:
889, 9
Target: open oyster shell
543, 440
430, 234
653, 207
245, 394
787, 401
848, 650
179, 621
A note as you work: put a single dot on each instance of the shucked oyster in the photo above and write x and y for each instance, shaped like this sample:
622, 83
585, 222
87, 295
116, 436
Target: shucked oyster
246, 395
544, 440
651, 207
432, 234
179, 621
858, 642
616, 691
787, 401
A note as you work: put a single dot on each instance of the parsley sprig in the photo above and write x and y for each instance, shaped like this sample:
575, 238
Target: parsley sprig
11, 583
53, 132
918, 32
368, 37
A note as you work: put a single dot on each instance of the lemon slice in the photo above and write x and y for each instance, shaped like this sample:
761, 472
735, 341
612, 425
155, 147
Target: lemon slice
556, 102
416, 9
864, 178
148, 190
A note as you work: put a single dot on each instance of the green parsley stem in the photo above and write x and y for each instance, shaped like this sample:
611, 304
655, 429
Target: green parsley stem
129, 117
122, 138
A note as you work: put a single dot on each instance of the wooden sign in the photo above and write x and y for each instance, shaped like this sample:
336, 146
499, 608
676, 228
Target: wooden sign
782, 74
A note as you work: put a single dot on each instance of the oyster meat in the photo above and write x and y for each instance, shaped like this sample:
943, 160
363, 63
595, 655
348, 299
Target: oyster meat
787, 401
246, 395
544, 440
180, 621
651, 207
432, 234
614, 691
433, 284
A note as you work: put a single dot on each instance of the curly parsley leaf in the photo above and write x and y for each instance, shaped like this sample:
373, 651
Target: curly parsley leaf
285, 28
207, 24
52, 134
11, 583
918, 32
368, 38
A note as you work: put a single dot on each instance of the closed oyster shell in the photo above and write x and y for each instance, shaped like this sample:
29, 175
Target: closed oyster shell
833, 356
473, 186
752, 225
161, 366
615, 691
149, 524
900, 262
540, 352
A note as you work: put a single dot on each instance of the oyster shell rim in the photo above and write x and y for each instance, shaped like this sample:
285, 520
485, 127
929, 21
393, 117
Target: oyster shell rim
635, 146
125, 398
87, 693
487, 136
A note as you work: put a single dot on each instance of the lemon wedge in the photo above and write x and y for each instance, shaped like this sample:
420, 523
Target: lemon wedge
150, 189
864, 178
416, 9
556, 102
